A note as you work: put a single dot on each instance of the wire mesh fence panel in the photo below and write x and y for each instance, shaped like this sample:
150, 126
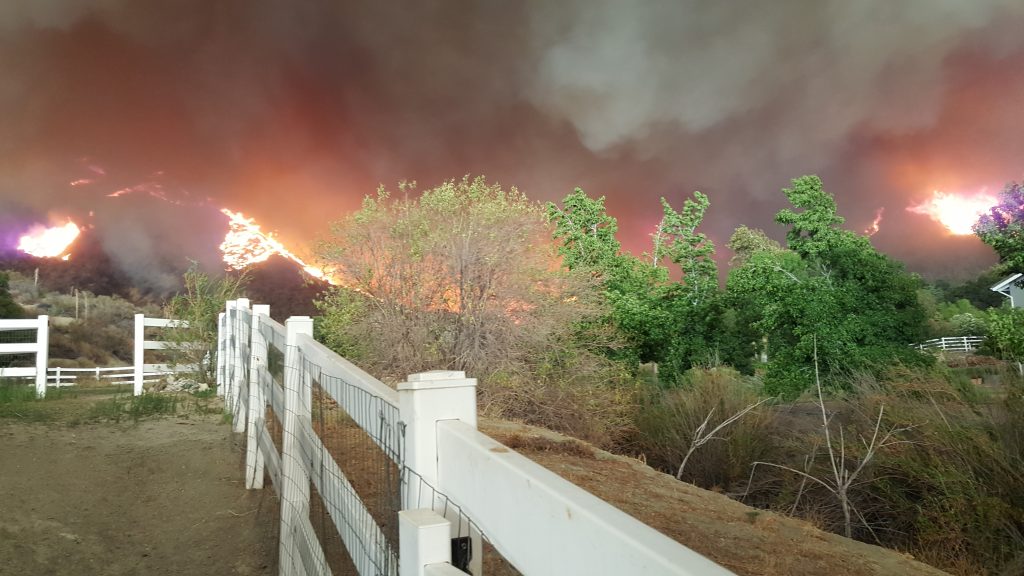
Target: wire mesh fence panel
274, 335
341, 474
272, 382
18, 336
359, 469
469, 544
274, 428
270, 429
348, 528
338, 558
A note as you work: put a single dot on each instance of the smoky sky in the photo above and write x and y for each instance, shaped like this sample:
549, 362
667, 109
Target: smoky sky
292, 111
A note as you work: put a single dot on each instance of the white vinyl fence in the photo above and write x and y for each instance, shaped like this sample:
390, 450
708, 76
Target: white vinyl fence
952, 343
21, 338
60, 377
143, 372
17, 340
400, 482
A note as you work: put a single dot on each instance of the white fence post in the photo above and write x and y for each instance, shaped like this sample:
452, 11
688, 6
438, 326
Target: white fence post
257, 402
243, 334
295, 477
140, 352
424, 400
229, 351
232, 347
221, 351
423, 537
42, 353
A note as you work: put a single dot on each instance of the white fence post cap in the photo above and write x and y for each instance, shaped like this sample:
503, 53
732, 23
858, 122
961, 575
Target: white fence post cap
437, 379
423, 518
437, 375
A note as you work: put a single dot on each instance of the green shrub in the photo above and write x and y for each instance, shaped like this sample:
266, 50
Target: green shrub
951, 491
956, 496
8, 307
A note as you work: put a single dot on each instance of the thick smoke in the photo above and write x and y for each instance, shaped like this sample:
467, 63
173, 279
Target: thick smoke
291, 111
819, 69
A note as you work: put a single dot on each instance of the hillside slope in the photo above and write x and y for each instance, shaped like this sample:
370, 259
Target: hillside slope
745, 540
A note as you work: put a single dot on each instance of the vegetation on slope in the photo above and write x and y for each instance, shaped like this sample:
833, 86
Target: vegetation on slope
462, 277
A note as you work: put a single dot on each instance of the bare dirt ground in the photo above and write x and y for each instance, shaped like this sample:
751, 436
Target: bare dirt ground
81, 496
743, 539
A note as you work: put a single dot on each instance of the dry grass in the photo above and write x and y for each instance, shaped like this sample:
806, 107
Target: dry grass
599, 413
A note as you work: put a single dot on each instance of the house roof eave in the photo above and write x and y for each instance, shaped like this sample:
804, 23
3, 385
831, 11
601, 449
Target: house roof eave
1003, 287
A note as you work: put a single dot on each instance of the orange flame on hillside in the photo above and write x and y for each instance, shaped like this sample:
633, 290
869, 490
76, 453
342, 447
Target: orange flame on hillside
245, 244
958, 213
49, 242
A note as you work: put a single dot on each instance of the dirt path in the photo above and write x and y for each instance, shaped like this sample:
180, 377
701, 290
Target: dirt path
164, 496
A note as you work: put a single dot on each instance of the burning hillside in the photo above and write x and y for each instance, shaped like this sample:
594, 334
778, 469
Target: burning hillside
70, 256
246, 244
49, 241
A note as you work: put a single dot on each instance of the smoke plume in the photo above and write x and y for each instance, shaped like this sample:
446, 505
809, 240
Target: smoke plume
292, 111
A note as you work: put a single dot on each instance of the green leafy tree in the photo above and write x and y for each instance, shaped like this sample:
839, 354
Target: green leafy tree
199, 304
828, 285
8, 307
813, 231
1006, 334
695, 311
459, 278
976, 290
968, 324
586, 233
689, 249
1003, 227
661, 320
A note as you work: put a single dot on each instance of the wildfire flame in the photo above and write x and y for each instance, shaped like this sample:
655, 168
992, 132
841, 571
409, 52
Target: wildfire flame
245, 244
875, 224
958, 213
51, 242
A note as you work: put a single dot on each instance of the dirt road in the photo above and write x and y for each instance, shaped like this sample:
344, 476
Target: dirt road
164, 496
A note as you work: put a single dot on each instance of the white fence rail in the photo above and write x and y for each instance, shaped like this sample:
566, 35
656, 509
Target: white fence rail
137, 374
142, 372
60, 377
450, 472
39, 348
952, 343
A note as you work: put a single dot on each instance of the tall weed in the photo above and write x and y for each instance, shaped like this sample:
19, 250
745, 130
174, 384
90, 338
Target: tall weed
668, 420
952, 494
950, 491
